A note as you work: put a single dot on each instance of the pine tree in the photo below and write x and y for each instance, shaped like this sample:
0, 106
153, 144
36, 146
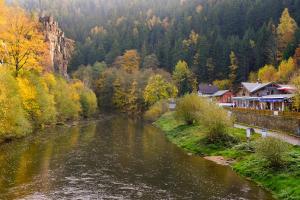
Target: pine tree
233, 68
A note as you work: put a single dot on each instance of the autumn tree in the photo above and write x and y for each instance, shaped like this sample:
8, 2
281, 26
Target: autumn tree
184, 78
267, 74
222, 84
158, 88
37, 100
285, 32
23, 45
12, 116
129, 62
286, 70
133, 98
119, 98
296, 83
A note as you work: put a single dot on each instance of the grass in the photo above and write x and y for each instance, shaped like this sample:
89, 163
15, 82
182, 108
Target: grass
283, 183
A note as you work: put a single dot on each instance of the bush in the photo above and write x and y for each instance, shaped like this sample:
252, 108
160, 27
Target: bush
273, 151
13, 122
157, 110
217, 121
189, 107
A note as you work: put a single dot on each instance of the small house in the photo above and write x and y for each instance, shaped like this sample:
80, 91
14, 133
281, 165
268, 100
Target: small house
207, 90
223, 96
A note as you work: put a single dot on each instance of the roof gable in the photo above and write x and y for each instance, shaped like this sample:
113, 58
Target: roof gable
220, 93
253, 87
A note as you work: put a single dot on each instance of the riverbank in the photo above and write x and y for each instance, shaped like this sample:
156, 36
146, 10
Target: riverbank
284, 183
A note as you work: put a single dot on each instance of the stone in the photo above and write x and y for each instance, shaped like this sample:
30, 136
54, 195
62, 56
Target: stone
61, 48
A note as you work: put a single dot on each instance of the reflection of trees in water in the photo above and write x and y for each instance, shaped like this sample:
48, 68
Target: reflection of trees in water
22, 162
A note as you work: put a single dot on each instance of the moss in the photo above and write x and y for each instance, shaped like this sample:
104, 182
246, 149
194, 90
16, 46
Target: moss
283, 183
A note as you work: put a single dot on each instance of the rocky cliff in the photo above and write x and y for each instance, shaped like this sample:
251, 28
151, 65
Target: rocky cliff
60, 47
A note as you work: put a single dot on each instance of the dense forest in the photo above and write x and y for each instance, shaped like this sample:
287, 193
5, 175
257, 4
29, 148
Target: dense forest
208, 34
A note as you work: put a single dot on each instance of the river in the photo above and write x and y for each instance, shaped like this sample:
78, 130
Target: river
113, 158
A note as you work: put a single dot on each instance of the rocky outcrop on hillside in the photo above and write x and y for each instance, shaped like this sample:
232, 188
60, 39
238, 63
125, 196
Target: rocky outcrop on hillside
60, 47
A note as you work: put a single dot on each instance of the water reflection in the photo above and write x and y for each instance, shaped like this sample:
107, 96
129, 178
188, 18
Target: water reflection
117, 158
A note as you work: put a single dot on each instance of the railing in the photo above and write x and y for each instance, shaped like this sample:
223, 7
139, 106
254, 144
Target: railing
268, 112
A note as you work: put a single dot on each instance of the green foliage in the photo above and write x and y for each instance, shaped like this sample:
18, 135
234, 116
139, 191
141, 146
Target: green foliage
233, 68
89, 74
157, 89
184, 78
188, 108
194, 109
174, 30
151, 62
217, 122
88, 100
156, 110
283, 183
37, 101
66, 98
13, 122
273, 151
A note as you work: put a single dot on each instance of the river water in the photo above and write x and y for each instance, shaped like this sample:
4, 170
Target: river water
113, 158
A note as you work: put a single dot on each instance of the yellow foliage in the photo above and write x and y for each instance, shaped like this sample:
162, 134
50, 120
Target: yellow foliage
222, 84
157, 89
67, 100
12, 117
36, 99
296, 83
130, 61
286, 70
23, 46
267, 74
184, 78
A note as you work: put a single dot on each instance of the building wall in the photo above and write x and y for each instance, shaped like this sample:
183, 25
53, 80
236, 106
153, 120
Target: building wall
226, 98
279, 123
269, 90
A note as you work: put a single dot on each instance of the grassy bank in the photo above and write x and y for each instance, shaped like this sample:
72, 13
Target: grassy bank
283, 183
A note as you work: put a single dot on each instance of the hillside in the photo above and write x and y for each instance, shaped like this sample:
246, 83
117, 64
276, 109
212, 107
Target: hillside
201, 32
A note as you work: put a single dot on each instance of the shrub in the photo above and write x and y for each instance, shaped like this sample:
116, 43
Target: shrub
157, 110
217, 121
12, 116
272, 150
189, 107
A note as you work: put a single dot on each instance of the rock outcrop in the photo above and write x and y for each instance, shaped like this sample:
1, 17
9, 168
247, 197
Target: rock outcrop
60, 47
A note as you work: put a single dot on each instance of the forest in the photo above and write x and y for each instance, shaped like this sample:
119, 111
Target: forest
207, 34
